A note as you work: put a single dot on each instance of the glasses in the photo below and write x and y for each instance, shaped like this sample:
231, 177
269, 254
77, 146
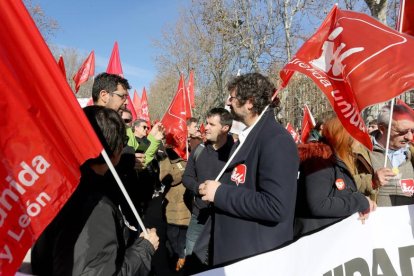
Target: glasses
403, 132
144, 127
127, 121
231, 98
122, 96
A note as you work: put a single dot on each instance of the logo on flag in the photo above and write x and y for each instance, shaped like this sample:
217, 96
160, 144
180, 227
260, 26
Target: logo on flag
239, 174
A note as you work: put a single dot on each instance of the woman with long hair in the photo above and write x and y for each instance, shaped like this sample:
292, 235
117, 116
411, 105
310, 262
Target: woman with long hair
327, 191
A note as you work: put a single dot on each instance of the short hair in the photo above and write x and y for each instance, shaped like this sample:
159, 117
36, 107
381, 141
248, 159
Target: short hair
254, 87
226, 119
191, 120
109, 127
399, 112
107, 82
373, 122
136, 123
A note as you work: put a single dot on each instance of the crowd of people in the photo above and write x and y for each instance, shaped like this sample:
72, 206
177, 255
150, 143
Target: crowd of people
237, 195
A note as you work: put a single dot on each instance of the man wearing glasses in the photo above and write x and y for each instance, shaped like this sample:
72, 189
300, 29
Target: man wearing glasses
393, 185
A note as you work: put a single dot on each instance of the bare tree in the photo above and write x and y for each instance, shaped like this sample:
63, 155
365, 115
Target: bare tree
46, 25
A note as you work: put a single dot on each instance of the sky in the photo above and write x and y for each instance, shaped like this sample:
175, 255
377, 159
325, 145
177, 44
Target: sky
89, 25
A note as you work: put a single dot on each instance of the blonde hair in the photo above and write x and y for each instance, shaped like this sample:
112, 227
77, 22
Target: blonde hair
340, 141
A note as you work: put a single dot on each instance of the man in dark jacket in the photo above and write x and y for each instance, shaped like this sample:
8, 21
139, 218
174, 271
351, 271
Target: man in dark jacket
90, 235
255, 198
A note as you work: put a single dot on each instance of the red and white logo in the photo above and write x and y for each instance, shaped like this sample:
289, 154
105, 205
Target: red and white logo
340, 184
407, 186
239, 174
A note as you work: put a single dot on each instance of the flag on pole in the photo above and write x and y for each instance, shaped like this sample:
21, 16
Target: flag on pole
405, 22
144, 105
190, 88
174, 121
292, 132
137, 104
347, 67
114, 65
131, 108
86, 70
39, 164
308, 123
61, 64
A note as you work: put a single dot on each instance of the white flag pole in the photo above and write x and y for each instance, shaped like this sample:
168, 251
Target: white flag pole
124, 192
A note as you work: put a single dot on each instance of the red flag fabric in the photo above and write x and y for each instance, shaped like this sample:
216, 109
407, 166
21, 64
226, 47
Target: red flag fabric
90, 102
131, 107
348, 67
144, 105
308, 123
114, 65
292, 132
202, 129
136, 101
86, 70
405, 23
190, 88
39, 164
174, 121
61, 64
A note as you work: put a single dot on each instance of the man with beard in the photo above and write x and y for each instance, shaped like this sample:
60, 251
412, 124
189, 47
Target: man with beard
254, 200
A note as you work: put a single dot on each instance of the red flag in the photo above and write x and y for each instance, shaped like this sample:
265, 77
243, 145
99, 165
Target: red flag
202, 129
405, 22
86, 70
144, 105
114, 65
308, 123
61, 64
348, 67
174, 121
39, 165
131, 108
292, 132
136, 101
190, 88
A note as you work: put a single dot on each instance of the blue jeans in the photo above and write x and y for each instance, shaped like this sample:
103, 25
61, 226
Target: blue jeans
193, 232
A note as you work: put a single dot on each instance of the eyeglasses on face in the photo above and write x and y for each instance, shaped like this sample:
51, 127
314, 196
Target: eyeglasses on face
122, 96
231, 98
403, 132
144, 127
127, 121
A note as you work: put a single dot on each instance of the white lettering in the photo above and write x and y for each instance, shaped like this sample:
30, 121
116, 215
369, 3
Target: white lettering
27, 176
7, 254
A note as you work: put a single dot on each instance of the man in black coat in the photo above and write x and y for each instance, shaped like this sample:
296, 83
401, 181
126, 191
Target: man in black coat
255, 198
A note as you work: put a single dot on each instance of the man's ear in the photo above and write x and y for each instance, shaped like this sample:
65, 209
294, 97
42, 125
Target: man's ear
103, 96
226, 128
249, 104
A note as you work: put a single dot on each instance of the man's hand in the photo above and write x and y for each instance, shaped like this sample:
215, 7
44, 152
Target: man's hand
208, 190
381, 177
158, 131
364, 215
152, 237
139, 161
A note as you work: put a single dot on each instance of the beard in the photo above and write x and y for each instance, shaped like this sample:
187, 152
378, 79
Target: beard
236, 116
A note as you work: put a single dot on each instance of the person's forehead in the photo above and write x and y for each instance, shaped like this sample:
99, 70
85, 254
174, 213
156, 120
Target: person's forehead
403, 124
120, 88
214, 119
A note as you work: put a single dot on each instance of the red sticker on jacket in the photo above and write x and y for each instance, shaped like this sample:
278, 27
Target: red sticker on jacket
407, 186
239, 174
340, 184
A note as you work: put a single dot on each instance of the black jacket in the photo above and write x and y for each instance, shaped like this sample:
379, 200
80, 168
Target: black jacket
256, 214
321, 200
89, 236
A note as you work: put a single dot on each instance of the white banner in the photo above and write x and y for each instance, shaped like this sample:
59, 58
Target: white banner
384, 245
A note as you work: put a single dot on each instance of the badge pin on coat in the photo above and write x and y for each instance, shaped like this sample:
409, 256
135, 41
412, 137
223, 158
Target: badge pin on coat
239, 174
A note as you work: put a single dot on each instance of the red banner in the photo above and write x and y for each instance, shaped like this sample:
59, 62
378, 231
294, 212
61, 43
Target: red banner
405, 22
136, 101
292, 132
308, 123
174, 121
44, 136
114, 65
61, 64
355, 71
144, 105
86, 70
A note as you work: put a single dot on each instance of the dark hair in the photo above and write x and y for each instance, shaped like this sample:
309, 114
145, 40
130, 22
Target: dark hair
137, 123
107, 82
255, 87
226, 119
109, 127
191, 120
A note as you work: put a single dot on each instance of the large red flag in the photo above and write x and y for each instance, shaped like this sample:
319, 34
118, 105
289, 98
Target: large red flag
144, 105
44, 139
131, 108
190, 88
61, 64
405, 22
174, 121
355, 71
85, 71
136, 101
308, 123
292, 132
114, 65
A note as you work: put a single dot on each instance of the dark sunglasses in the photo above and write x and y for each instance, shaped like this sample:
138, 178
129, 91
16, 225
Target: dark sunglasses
403, 132
127, 121
145, 127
